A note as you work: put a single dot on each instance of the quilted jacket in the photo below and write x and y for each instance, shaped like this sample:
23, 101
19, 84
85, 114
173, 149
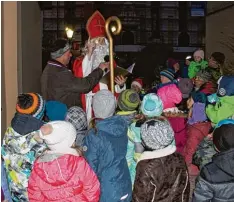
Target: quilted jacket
216, 181
63, 178
105, 151
161, 176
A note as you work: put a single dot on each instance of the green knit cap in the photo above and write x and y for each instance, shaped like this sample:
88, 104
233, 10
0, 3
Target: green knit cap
128, 100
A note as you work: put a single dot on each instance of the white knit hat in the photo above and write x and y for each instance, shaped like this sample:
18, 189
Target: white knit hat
104, 104
199, 53
61, 138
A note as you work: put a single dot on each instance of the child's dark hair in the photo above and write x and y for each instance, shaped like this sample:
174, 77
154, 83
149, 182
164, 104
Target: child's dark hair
223, 137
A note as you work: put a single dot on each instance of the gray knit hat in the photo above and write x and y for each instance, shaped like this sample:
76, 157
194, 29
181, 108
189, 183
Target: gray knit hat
104, 104
204, 75
77, 117
157, 134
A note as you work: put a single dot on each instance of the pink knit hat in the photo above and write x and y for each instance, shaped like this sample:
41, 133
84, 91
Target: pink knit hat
170, 96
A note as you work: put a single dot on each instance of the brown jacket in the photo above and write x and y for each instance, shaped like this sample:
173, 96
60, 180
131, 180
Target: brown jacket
161, 176
58, 83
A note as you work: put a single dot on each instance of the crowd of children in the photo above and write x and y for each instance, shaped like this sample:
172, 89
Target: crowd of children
142, 146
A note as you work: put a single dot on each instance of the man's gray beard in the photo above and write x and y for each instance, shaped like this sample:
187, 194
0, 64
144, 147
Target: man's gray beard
98, 55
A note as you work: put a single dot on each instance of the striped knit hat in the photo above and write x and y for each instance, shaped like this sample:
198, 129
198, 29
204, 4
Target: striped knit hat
128, 100
31, 104
169, 73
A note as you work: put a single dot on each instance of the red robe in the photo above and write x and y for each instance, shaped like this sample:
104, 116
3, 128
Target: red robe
78, 72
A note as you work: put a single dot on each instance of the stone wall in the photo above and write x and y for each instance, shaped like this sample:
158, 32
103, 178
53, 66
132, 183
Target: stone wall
220, 31
217, 5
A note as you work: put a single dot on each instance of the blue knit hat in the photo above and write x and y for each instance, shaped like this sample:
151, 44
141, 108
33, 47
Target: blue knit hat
152, 105
169, 73
56, 111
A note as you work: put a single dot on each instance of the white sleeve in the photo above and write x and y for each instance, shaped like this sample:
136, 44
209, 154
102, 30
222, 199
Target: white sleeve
87, 65
118, 89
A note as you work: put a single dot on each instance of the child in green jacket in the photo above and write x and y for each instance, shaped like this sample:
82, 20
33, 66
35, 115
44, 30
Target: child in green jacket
198, 64
224, 106
128, 102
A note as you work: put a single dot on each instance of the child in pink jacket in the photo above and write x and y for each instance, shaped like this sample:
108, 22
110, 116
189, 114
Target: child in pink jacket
61, 173
171, 95
168, 91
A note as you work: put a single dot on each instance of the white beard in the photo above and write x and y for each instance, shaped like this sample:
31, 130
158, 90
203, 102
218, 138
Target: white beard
99, 53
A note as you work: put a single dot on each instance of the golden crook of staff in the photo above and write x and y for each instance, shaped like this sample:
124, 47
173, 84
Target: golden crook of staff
115, 32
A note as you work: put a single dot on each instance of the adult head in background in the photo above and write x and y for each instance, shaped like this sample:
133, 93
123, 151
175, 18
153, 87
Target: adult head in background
60, 51
216, 60
173, 64
216, 65
204, 83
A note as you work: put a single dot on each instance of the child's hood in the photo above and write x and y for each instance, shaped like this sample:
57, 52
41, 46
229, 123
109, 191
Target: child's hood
115, 126
225, 162
226, 86
56, 169
24, 124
